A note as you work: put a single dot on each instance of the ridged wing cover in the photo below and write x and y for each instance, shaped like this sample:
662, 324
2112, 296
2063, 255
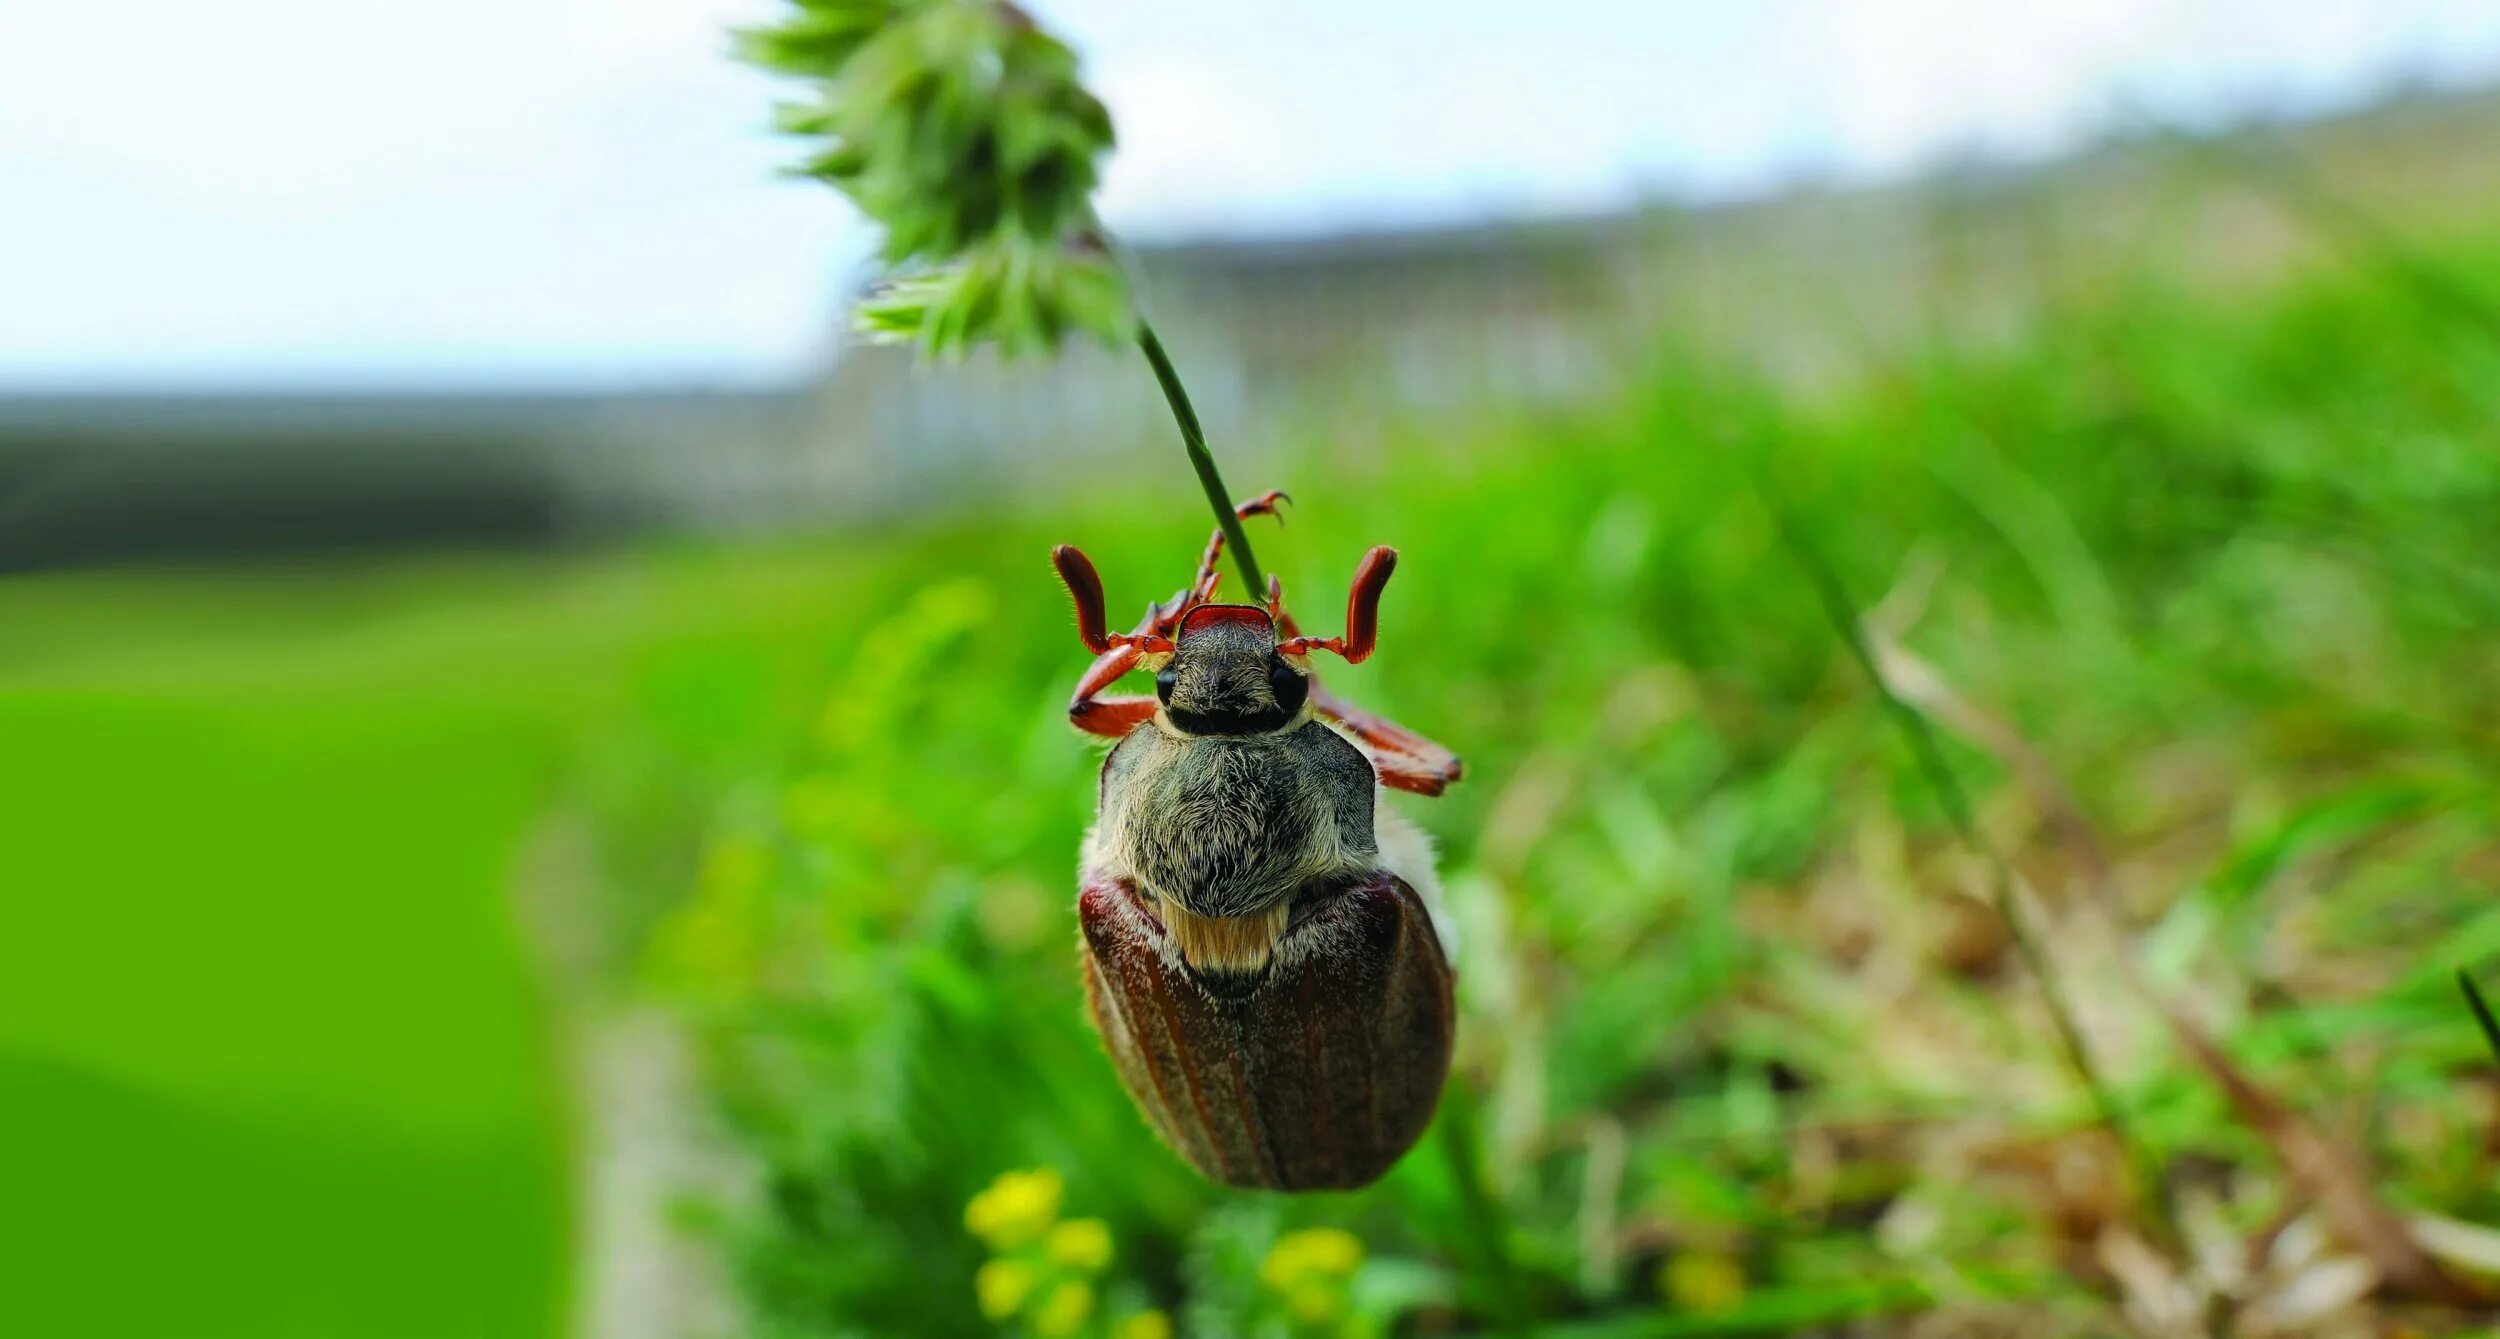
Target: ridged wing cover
1319, 1079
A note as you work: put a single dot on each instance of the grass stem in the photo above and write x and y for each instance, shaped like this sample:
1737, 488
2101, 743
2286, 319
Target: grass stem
1194, 440
2482, 1011
1482, 1215
1920, 734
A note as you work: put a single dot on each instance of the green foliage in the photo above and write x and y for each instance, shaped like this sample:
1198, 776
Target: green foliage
268, 1037
1019, 294
961, 129
1739, 1039
1740, 1051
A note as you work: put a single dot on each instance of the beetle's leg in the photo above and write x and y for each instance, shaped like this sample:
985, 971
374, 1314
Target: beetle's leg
1166, 618
1202, 588
1111, 717
1381, 732
1093, 713
1413, 778
1404, 759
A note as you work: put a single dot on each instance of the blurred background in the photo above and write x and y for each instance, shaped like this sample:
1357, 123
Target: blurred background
537, 800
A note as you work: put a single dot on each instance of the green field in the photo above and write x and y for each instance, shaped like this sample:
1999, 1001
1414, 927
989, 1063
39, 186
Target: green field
316, 879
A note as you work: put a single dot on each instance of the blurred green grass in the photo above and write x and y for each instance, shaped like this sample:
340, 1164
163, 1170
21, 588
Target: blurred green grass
2231, 571
264, 1054
274, 1054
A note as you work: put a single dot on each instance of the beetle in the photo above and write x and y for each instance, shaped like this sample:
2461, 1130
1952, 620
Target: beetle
1259, 952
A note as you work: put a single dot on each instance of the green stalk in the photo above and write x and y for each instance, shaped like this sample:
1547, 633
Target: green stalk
1482, 1218
1941, 780
2482, 1012
1194, 440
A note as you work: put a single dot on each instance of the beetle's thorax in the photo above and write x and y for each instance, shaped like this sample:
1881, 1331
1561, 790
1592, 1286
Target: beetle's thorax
1226, 832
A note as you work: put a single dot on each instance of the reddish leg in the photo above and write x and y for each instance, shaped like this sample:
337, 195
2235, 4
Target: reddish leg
1202, 587
1404, 759
1413, 778
1112, 717
1088, 710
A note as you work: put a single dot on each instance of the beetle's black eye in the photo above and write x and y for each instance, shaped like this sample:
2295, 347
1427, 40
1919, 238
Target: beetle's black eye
1165, 677
1288, 684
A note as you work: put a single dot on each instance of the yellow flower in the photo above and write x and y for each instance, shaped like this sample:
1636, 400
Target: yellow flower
1002, 1286
1332, 1251
1313, 1255
1316, 1302
1702, 1281
1017, 1208
1080, 1243
1061, 1313
1143, 1325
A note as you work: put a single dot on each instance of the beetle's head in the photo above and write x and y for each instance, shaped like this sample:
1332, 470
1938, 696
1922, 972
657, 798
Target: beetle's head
1226, 677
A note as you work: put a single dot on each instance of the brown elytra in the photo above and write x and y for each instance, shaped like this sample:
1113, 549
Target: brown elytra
1317, 1078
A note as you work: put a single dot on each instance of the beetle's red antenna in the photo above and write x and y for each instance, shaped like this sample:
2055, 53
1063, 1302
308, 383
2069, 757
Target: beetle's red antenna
1085, 590
1362, 612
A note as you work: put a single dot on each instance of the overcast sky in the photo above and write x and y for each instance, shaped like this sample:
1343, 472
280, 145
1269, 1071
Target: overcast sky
279, 192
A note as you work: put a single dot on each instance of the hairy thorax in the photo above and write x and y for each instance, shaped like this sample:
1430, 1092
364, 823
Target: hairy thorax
1234, 828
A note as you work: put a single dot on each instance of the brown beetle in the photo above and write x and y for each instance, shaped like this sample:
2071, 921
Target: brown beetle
1259, 956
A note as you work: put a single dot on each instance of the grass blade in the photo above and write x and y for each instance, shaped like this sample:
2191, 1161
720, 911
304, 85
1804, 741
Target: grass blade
2482, 1011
